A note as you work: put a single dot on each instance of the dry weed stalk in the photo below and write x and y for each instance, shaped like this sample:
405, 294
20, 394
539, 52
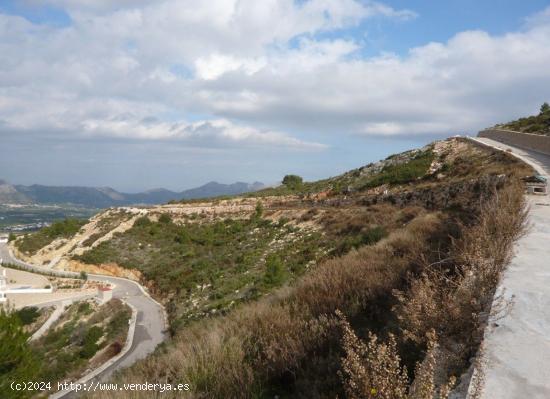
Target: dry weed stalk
456, 298
373, 370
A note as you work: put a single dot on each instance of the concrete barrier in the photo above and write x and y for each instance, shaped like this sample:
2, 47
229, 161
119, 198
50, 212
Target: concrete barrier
533, 142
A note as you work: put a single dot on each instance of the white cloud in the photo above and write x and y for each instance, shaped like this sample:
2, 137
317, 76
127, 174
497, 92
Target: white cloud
257, 69
215, 65
219, 132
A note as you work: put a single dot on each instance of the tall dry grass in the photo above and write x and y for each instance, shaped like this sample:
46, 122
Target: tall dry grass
374, 370
454, 297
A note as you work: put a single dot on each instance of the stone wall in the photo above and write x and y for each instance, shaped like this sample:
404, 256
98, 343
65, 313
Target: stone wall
535, 142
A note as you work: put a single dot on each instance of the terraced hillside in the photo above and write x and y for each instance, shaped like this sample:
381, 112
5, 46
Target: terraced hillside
273, 293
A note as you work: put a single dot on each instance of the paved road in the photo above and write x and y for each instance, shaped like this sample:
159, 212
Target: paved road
150, 326
518, 346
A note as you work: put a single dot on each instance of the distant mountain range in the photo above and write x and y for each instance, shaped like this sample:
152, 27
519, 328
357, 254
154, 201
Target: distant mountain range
102, 197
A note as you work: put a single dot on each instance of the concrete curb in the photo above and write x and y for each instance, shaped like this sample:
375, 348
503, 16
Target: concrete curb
94, 373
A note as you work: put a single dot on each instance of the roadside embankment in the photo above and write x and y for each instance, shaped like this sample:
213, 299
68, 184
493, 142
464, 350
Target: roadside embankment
517, 343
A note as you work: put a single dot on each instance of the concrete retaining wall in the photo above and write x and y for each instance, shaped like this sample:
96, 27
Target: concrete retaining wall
534, 142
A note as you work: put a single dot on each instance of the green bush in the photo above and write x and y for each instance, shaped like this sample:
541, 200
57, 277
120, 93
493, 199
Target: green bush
89, 346
142, 221
165, 218
275, 273
28, 314
17, 361
293, 182
258, 212
368, 237
403, 173
85, 308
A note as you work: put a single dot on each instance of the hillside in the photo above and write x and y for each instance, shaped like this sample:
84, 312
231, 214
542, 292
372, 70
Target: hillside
317, 289
537, 124
103, 197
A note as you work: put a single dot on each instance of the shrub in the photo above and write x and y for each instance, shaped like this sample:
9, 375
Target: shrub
142, 221
89, 346
402, 173
17, 361
373, 370
85, 308
368, 237
293, 182
454, 296
165, 218
259, 210
28, 314
275, 274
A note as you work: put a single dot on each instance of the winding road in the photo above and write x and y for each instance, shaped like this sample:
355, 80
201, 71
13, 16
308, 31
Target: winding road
151, 323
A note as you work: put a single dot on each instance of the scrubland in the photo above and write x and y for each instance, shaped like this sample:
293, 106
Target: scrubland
373, 284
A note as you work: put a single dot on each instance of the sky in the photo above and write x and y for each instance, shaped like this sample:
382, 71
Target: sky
137, 94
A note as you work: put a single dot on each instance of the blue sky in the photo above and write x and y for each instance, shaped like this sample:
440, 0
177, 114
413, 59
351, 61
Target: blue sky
136, 94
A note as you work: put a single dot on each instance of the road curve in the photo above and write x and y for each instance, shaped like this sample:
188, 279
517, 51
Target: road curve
151, 322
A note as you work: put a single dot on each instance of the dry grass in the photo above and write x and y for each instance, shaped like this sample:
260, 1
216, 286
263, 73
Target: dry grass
373, 370
454, 297
349, 282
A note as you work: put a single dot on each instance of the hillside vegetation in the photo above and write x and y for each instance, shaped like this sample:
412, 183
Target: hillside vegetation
84, 337
538, 124
396, 169
31, 243
375, 283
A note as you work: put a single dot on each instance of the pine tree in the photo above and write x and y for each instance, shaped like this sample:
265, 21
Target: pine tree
17, 361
